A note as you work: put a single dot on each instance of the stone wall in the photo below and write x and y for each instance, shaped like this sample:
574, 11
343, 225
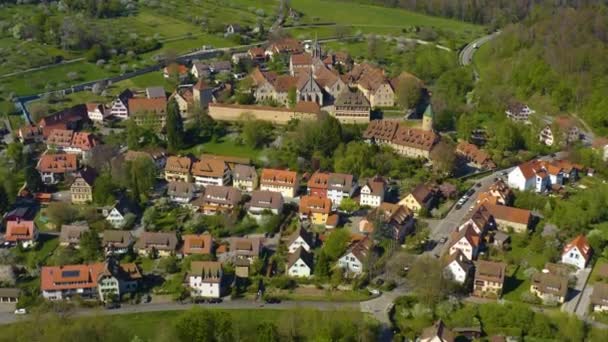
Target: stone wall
226, 112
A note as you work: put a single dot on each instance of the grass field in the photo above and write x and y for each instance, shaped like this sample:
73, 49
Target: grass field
225, 146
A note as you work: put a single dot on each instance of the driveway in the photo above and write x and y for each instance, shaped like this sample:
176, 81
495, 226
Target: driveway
579, 302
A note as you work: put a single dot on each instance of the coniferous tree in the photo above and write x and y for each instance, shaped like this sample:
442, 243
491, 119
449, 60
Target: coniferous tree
175, 127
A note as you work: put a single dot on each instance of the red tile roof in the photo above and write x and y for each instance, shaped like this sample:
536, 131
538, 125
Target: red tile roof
278, 177
57, 163
197, 244
581, 243
20, 231
314, 204
60, 137
510, 214
84, 141
319, 180
140, 104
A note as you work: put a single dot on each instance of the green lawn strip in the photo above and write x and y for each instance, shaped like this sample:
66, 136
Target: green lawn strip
225, 146
516, 284
595, 277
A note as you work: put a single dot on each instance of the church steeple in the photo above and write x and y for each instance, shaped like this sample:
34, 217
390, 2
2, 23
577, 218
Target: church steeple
427, 118
316, 48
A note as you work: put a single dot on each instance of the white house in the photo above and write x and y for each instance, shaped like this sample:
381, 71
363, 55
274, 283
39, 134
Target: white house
116, 215
181, 192
466, 241
299, 264
372, 192
535, 175
97, 112
353, 261
457, 267
339, 186
577, 252
120, 105
209, 171
205, 279
300, 238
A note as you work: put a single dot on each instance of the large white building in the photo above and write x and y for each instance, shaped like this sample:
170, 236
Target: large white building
205, 279
535, 175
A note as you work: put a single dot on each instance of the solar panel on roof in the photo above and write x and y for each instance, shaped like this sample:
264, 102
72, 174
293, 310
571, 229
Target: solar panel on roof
70, 274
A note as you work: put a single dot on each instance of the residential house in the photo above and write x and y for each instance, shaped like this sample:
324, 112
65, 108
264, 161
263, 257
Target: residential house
316, 209
200, 70
299, 264
318, 183
218, 199
162, 244
457, 267
155, 155
30, 133
407, 141
184, 97
117, 215
536, 175
568, 128
373, 83
506, 218
489, 279
396, 218
284, 46
218, 67
467, 241
256, 54
120, 105
577, 252
53, 168
181, 192
148, 112
210, 172
283, 181
599, 297
21, 232
117, 242
59, 139
97, 112
423, 196
475, 156
244, 177
546, 135
98, 280
301, 238
175, 70
519, 112
481, 221
500, 239
197, 244
356, 257
9, 295
72, 118
71, 234
551, 288
340, 186
241, 252
265, 201
68, 141
205, 279
501, 191
437, 333
351, 106
372, 192
178, 169
81, 189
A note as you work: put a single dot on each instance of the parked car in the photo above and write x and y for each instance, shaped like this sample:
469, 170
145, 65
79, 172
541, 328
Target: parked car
458, 206
443, 240
214, 300
21, 311
112, 306
470, 192
478, 185
374, 292
272, 300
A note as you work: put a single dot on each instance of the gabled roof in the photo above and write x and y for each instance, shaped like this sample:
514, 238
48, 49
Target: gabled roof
422, 193
72, 233
376, 184
392, 213
210, 271
599, 296
266, 199
209, 168
490, 271
157, 92
244, 172
60, 137
437, 332
279, 177
178, 164
117, 238
20, 230
548, 283
310, 107
140, 105
340, 181
181, 189
221, 195
381, 130
314, 204
462, 261
509, 214
582, 244
318, 180
467, 232
84, 141
248, 247
301, 59
306, 235
57, 163
159, 240
352, 98
361, 249
300, 254
414, 137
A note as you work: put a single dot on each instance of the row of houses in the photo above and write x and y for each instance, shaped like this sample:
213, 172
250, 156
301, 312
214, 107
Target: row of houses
542, 176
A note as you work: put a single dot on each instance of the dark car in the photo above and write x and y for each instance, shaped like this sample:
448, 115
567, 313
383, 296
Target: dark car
198, 300
112, 306
272, 300
478, 185
470, 192
214, 300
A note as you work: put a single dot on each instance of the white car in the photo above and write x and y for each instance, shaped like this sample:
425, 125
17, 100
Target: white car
20, 311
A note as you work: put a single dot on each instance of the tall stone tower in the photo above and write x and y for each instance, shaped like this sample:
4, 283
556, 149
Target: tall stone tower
427, 118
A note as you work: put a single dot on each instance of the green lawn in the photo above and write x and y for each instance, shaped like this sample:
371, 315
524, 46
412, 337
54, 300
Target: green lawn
37, 255
225, 146
594, 277
516, 284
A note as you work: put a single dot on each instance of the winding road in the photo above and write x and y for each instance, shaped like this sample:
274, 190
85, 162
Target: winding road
466, 55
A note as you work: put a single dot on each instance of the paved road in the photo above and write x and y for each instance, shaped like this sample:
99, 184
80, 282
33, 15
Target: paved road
466, 55
7, 318
442, 228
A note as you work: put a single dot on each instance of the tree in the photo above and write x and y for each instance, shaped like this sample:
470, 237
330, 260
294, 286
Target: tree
103, 189
267, 332
141, 174
4, 204
336, 244
14, 152
426, 278
90, 246
203, 326
60, 213
175, 127
444, 157
322, 265
292, 97
32, 178
409, 91
170, 264
256, 133
134, 134
373, 47
349, 205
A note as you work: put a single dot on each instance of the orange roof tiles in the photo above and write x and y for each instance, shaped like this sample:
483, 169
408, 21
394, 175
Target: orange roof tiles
19, 231
60, 137
209, 168
197, 244
319, 180
510, 214
582, 244
178, 164
157, 105
278, 177
57, 163
315, 204
83, 140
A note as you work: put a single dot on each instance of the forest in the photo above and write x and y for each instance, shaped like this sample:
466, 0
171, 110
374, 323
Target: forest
553, 59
